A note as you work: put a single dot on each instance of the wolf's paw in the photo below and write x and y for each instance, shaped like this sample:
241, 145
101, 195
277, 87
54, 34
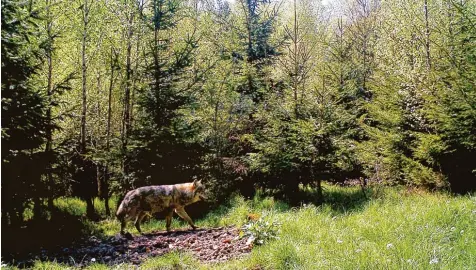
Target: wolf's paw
195, 227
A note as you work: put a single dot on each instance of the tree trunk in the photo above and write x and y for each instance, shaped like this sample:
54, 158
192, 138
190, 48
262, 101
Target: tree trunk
127, 95
48, 131
126, 119
90, 213
84, 70
135, 76
427, 34
105, 189
296, 62
99, 178
89, 199
341, 53
320, 198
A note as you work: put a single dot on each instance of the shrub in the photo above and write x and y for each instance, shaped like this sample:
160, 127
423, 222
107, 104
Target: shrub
261, 230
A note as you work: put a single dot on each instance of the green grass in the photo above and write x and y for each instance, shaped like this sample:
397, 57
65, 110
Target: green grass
77, 207
393, 229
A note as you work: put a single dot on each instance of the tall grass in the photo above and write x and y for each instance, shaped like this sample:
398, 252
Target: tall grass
391, 229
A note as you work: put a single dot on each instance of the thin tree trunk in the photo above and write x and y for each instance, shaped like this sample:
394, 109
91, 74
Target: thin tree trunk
127, 93
427, 34
48, 131
341, 53
105, 190
126, 120
84, 71
296, 62
157, 10
99, 179
135, 76
89, 200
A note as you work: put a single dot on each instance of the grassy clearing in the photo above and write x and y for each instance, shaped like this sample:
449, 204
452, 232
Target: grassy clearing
394, 229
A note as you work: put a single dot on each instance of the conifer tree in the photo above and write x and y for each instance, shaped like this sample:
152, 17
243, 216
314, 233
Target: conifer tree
164, 144
23, 114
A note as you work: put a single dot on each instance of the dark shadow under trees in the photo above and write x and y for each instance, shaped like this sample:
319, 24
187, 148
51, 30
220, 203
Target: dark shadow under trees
22, 245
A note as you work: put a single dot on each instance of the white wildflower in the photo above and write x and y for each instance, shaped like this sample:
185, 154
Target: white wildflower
434, 261
452, 229
389, 245
93, 259
358, 250
340, 241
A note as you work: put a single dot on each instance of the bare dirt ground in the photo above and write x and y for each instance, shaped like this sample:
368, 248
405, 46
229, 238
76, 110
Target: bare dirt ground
207, 245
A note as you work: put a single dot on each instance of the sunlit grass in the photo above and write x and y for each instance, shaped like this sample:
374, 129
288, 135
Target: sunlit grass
392, 229
77, 207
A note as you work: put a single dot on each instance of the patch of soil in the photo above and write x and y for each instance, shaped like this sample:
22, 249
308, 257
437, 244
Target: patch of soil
208, 245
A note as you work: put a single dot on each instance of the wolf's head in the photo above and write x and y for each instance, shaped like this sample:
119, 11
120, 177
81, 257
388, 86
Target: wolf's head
199, 191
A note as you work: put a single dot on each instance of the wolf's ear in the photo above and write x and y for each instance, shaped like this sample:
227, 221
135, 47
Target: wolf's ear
195, 182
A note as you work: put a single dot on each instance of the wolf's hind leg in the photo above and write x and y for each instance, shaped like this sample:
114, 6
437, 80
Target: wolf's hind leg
139, 219
181, 212
168, 218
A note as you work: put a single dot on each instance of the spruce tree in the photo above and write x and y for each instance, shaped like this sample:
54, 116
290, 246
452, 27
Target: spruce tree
23, 114
164, 149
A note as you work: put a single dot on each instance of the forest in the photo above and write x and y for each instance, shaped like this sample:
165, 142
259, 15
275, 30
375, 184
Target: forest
262, 98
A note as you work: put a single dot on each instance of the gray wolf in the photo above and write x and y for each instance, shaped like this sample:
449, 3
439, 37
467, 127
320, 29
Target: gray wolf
152, 199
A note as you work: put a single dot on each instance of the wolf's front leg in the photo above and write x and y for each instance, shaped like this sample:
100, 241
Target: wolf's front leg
123, 226
181, 212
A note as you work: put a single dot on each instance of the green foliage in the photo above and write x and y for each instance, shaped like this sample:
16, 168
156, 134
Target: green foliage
257, 94
426, 230
261, 230
23, 114
164, 145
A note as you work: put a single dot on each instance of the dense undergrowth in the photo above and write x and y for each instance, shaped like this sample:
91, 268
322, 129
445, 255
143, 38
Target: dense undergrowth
387, 228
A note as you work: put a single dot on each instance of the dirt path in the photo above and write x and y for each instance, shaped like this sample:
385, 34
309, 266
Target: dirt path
208, 245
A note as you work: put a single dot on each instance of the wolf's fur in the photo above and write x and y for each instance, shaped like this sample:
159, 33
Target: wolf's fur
152, 199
